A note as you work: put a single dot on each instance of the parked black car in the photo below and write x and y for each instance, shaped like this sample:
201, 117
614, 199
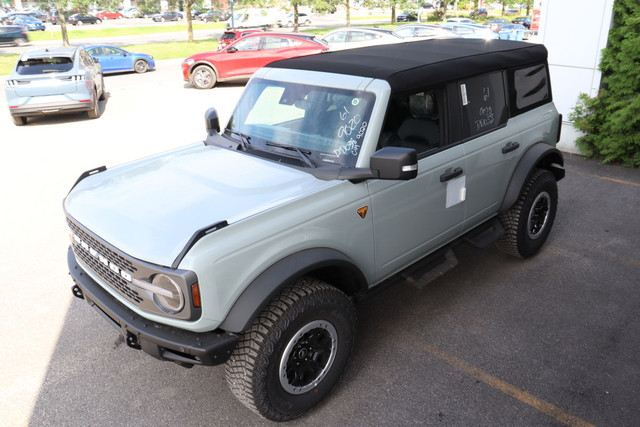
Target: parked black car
407, 17
13, 35
214, 16
83, 18
167, 16
479, 12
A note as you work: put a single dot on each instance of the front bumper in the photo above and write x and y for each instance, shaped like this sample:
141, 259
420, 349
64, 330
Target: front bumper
160, 341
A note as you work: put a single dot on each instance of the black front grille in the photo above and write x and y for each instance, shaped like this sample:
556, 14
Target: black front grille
114, 279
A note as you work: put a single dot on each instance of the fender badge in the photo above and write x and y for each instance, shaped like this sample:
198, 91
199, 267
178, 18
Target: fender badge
363, 211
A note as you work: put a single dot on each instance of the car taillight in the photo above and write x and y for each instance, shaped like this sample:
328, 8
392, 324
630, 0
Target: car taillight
73, 78
11, 83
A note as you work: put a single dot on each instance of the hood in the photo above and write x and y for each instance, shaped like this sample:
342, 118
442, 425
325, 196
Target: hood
150, 209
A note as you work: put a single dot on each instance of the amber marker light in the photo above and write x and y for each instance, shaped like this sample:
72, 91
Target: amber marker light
195, 294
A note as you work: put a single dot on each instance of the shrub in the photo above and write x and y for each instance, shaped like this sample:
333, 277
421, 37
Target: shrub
611, 120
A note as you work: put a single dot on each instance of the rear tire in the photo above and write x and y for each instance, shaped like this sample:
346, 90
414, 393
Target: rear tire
19, 121
94, 113
528, 223
103, 93
295, 352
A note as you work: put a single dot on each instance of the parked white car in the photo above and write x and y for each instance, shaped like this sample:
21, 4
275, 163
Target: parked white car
353, 37
130, 12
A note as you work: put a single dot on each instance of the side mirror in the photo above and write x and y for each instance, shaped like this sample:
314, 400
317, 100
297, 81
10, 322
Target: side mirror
395, 163
232, 50
211, 120
96, 60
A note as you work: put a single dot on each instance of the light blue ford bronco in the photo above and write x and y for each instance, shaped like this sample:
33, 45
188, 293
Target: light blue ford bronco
337, 173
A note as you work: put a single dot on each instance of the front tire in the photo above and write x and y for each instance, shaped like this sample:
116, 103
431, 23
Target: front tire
295, 352
203, 77
140, 66
528, 223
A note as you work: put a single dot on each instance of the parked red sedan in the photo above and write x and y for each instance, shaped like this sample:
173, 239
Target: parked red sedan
232, 35
109, 15
242, 58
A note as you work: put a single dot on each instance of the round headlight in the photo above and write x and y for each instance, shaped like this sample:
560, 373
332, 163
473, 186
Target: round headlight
171, 301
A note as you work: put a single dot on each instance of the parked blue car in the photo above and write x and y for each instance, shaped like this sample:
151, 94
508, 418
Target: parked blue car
29, 22
115, 60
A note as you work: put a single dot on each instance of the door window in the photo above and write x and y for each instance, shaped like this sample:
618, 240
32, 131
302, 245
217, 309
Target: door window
415, 121
483, 103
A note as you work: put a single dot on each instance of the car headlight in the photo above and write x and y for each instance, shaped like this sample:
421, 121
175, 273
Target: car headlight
189, 61
172, 299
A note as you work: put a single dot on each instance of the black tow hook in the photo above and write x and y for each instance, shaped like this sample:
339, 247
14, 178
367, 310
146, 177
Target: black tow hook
77, 292
132, 341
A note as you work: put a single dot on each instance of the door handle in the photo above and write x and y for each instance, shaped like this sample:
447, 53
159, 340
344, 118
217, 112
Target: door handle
511, 146
450, 174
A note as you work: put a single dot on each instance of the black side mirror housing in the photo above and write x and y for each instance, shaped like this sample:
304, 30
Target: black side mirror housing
395, 163
211, 120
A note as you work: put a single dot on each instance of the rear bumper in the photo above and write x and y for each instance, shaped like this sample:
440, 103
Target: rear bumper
51, 108
160, 341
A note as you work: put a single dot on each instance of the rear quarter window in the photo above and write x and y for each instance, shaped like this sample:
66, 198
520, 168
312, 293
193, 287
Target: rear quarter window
531, 87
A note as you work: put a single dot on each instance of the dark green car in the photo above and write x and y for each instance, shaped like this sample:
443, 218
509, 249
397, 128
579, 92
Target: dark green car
13, 35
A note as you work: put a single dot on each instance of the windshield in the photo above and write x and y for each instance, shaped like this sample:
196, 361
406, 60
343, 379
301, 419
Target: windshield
328, 125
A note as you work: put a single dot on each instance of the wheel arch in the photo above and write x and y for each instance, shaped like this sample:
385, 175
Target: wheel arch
539, 156
202, 62
326, 264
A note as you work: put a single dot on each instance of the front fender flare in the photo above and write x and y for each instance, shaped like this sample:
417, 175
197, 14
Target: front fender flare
324, 263
540, 155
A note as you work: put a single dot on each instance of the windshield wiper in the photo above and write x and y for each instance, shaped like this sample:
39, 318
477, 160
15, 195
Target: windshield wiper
302, 154
244, 138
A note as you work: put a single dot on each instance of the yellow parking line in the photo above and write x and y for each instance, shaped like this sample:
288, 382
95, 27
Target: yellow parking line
498, 384
606, 178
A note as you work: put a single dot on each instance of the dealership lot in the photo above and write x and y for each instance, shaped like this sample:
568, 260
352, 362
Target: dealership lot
497, 341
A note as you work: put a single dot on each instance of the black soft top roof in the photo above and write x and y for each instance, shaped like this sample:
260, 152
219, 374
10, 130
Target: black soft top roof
410, 65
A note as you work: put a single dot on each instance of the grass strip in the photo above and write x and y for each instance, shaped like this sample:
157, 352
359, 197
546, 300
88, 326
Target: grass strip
75, 33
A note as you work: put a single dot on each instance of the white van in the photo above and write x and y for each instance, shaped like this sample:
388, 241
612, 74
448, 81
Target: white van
251, 18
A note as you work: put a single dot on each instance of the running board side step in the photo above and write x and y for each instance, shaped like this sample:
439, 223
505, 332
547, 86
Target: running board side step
426, 272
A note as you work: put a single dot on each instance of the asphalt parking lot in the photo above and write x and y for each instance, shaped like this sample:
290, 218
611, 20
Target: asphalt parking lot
551, 340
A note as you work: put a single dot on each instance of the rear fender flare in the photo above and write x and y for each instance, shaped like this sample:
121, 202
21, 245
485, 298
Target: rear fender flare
327, 264
540, 155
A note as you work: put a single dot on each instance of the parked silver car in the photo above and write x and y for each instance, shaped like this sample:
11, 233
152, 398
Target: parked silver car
52, 81
353, 37
416, 31
470, 31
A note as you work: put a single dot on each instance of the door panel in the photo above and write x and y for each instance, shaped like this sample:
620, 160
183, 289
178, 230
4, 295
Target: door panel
411, 218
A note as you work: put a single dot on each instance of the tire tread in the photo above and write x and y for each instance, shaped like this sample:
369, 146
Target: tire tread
244, 369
